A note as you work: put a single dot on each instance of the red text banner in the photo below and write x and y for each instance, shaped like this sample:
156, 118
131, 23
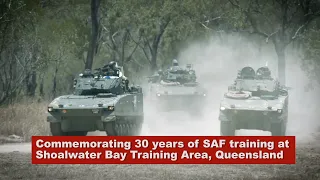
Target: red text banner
163, 150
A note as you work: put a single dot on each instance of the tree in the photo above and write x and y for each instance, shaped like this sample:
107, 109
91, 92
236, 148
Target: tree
282, 21
149, 20
311, 51
19, 49
94, 33
118, 34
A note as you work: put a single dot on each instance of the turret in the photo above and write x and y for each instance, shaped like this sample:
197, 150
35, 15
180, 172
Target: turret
259, 83
247, 73
175, 62
180, 75
263, 73
108, 79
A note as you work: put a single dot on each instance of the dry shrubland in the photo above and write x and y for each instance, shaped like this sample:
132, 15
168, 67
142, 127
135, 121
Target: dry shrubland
24, 120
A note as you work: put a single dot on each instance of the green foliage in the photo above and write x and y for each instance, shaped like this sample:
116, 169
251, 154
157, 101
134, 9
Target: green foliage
51, 40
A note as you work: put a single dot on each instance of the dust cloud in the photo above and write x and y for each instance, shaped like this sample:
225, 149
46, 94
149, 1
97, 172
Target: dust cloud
217, 65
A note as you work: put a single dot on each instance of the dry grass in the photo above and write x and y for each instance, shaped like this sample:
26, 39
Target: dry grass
18, 166
24, 120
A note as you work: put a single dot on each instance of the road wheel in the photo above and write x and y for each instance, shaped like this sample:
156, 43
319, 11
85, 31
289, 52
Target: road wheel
227, 128
123, 129
135, 129
110, 128
278, 129
56, 130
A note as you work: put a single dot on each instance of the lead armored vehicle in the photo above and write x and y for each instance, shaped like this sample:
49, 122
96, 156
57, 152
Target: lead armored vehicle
177, 89
254, 101
101, 101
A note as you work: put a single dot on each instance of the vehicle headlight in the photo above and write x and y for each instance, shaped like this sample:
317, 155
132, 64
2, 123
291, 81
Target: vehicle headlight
110, 108
222, 108
158, 94
50, 109
204, 95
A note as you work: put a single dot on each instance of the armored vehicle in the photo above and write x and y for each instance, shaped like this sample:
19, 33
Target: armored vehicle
101, 101
254, 101
177, 89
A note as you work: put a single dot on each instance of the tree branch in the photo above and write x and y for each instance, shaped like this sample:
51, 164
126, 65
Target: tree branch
298, 31
270, 35
235, 4
135, 48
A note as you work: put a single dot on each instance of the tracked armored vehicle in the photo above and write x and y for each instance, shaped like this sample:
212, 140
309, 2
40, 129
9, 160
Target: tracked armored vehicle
254, 101
101, 101
177, 89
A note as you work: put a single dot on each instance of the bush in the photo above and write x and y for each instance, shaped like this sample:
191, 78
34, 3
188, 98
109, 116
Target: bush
24, 120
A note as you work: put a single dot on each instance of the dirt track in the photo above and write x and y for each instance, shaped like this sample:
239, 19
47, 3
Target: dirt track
15, 163
18, 166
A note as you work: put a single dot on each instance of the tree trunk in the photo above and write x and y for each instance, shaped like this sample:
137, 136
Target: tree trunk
94, 33
154, 50
32, 84
156, 43
54, 88
280, 50
71, 88
154, 54
41, 88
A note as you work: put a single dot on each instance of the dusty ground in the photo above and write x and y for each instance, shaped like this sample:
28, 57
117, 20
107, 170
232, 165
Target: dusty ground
15, 163
18, 166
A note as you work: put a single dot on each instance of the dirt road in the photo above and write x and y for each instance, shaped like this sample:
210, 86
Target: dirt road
17, 165
15, 161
